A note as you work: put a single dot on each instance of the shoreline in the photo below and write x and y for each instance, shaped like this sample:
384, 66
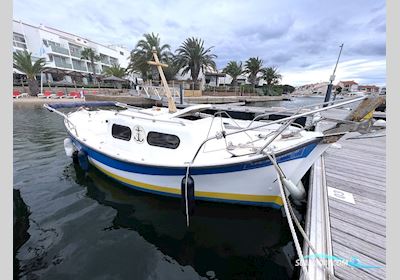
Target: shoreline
36, 100
140, 100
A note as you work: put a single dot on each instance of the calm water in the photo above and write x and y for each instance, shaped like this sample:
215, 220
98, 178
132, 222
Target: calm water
294, 103
86, 226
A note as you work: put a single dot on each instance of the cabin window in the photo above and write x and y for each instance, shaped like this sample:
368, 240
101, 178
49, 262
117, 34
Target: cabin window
163, 140
121, 132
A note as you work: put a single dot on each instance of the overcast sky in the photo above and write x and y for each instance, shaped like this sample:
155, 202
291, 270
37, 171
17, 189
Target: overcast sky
302, 37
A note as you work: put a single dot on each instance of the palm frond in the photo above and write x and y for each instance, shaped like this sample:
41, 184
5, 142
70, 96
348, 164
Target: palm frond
192, 56
23, 62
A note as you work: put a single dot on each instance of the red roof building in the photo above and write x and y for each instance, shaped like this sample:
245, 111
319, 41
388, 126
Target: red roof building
348, 86
369, 88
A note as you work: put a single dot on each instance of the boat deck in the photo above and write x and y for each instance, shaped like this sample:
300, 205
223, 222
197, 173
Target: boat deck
351, 213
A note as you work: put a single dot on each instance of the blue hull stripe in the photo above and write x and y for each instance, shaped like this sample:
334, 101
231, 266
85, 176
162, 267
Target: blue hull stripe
301, 152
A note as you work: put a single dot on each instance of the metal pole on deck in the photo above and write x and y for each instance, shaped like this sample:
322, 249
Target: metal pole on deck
41, 82
181, 93
332, 78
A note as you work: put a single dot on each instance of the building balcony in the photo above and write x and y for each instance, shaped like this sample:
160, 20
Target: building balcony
79, 67
90, 69
63, 64
76, 54
60, 50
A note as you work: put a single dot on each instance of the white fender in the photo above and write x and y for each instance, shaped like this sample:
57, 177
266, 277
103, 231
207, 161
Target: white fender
297, 191
68, 147
380, 123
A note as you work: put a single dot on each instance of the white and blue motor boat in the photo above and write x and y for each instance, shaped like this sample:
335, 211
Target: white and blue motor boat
229, 160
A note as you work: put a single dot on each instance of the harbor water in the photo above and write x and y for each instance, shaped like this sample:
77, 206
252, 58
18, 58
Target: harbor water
87, 226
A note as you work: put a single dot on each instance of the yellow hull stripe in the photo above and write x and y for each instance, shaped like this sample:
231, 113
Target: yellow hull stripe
212, 195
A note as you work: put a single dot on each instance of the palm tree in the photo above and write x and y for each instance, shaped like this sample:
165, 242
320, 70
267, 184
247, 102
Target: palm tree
115, 70
253, 66
143, 53
172, 70
193, 57
271, 75
90, 54
233, 69
23, 63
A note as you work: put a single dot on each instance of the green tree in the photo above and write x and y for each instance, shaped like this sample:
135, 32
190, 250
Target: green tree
143, 53
193, 57
253, 66
233, 69
90, 54
272, 77
288, 89
23, 62
115, 70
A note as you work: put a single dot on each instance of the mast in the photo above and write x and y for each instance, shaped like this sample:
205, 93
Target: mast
332, 78
156, 62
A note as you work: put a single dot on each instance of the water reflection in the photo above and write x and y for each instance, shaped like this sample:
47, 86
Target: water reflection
233, 241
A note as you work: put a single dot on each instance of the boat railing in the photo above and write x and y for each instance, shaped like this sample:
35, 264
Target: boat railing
159, 92
287, 120
299, 109
71, 125
153, 119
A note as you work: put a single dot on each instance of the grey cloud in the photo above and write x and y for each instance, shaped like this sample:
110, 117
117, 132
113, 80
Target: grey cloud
282, 58
135, 24
172, 24
267, 31
381, 28
378, 8
377, 20
368, 48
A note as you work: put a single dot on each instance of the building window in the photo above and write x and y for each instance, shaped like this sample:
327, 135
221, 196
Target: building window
163, 140
121, 132
113, 61
75, 50
19, 41
121, 53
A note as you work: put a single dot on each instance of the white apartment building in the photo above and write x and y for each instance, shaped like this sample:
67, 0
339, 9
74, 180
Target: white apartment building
62, 52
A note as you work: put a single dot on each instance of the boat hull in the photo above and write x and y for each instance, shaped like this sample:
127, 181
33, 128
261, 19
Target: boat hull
250, 182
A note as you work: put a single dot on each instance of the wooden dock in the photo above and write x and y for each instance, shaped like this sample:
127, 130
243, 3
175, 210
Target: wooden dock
347, 210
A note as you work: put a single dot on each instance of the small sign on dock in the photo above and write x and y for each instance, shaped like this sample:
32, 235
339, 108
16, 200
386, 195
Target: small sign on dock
341, 195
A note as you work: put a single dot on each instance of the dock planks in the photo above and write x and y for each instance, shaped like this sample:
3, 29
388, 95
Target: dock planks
358, 230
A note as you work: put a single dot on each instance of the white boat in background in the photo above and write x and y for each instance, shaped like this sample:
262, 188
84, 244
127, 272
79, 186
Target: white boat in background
159, 150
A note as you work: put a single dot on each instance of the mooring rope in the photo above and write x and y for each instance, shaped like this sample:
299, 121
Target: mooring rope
288, 216
186, 195
289, 209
